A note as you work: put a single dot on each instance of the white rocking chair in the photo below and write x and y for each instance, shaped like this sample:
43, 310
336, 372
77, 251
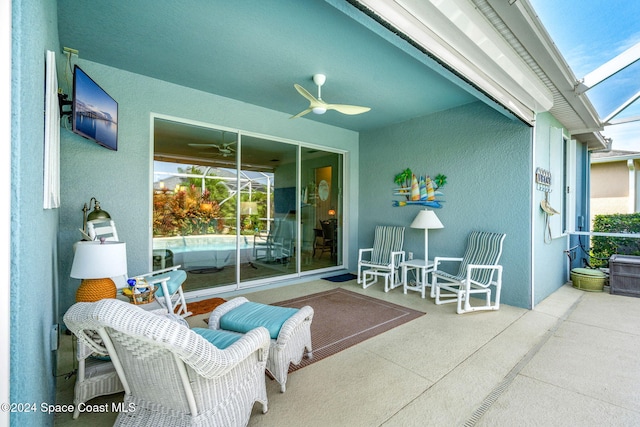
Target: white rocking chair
170, 294
478, 271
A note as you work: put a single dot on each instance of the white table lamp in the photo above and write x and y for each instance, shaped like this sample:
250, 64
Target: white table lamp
95, 263
426, 219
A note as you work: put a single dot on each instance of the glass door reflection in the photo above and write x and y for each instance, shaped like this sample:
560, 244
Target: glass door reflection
235, 209
268, 208
321, 207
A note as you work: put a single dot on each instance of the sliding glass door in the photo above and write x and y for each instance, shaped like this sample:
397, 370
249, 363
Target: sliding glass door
321, 209
236, 209
268, 208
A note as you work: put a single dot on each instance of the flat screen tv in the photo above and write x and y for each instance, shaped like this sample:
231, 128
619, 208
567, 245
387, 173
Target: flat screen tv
95, 113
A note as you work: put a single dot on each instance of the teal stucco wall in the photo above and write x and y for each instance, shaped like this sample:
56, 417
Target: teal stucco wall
33, 229
121, 180
487, 160
550, 262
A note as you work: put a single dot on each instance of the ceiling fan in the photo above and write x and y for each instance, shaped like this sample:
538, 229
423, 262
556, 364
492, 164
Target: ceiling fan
224, 149
318, 106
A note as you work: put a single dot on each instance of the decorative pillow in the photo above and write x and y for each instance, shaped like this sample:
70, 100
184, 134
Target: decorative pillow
95, 337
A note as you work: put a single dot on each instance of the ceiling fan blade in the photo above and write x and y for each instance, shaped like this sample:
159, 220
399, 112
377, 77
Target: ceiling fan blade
301, 113
302, 91
202, 145
347, 109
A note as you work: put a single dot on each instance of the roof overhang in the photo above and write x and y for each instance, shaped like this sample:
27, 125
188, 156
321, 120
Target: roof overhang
518, 22
456, 35
502, 48
616, 158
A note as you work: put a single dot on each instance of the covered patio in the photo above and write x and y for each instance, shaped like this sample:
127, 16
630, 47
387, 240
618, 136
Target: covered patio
572, 360
474, 90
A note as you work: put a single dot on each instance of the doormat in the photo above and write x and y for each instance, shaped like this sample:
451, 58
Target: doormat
344, 318
204, 306
341, 277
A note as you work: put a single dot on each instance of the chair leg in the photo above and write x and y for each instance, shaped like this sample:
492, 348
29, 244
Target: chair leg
183, 304
365, 284
459, 309
496, 305
487, 305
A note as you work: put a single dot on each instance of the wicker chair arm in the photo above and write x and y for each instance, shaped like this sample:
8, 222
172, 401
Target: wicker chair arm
159, 331
295, 322
256, 340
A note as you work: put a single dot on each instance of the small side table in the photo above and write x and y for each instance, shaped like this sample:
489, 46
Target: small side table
422, 270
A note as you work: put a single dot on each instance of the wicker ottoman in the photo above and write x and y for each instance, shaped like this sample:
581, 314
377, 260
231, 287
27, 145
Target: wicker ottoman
290, 331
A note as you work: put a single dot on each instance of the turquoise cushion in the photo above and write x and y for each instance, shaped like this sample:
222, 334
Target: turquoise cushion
220, 339
176, 278
250, 315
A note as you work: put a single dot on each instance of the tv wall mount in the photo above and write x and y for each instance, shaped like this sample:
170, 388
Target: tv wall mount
64, 102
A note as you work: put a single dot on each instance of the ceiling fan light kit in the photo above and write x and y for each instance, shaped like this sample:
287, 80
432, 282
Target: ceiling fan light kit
318, 106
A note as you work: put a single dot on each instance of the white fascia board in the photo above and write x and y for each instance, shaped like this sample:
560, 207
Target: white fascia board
612, 159
524, 23
455, 33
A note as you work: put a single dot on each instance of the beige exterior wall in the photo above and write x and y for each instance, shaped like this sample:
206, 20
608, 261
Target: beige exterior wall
609, 180
609, 205
610, 188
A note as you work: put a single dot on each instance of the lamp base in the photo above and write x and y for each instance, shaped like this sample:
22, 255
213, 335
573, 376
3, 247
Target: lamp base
92, 290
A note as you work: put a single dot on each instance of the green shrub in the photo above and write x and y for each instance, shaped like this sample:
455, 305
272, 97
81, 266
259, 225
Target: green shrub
603, 247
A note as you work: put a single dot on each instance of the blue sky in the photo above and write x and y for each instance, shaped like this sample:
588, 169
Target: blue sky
588, 33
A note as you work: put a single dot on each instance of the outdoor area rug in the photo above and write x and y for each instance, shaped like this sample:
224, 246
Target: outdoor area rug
341, 277
204, 306
344, 318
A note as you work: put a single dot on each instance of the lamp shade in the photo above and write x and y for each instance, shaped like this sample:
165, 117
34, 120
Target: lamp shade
98, 213
97, 260
426, 219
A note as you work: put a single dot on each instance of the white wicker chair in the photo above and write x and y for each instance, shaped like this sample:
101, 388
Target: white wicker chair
170, 374
289, 346
95, 377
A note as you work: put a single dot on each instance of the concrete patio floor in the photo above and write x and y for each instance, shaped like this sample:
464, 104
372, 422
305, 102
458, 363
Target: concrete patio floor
573, 360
